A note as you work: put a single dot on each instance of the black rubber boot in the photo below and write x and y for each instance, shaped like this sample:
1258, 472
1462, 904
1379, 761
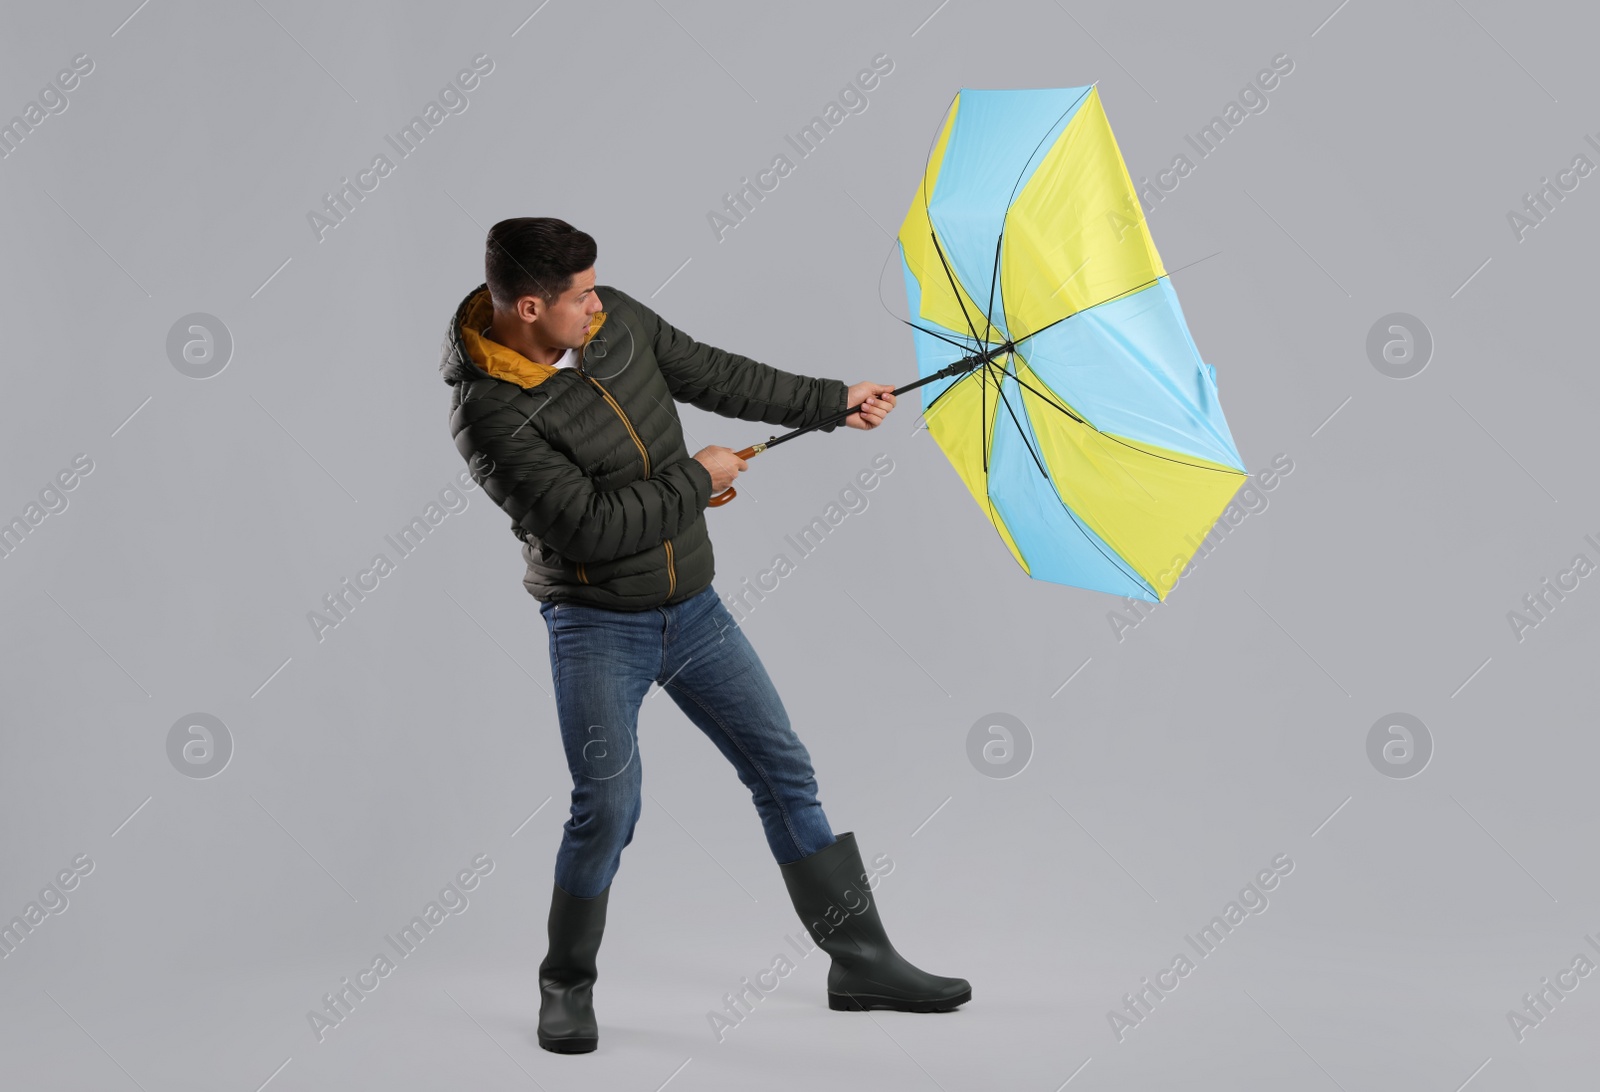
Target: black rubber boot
830, 893
566, 977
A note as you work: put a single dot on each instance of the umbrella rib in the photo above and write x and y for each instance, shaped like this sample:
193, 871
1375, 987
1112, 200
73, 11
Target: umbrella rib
1099, 436
1092, 306
982, 446
941, 337
948, 388
1116, 562
1014, 187
983, 418
908, 322
980, 342
936, 334
928, 212
955, 289
1050, 401
1043, 473
995, 276
994, 280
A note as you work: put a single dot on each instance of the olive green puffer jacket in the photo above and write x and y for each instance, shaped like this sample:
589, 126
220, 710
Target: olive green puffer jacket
589, 462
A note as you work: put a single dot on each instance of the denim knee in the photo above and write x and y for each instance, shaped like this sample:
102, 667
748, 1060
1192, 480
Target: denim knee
606, 812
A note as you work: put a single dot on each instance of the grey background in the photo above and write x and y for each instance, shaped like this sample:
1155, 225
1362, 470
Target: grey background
1228, 727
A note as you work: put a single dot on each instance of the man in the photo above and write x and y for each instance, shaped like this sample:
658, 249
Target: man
564, 410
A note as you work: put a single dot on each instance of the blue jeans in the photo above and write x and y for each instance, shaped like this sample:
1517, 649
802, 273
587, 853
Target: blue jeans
603, 662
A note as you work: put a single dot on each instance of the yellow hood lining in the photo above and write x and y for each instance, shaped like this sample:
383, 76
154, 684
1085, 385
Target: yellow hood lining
499, 360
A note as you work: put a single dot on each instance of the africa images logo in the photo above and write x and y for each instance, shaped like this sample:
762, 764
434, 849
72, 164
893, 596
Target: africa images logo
1139, 1005
340, 1003
452, 99
51, 101
853, 99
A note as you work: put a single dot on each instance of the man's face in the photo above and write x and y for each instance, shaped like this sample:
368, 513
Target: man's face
564, 322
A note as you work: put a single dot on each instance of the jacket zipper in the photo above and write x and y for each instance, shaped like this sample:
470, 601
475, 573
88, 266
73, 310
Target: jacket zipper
672, 573
643, 454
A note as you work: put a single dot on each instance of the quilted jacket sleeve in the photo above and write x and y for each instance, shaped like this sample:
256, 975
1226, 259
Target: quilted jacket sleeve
550, 497
737, 386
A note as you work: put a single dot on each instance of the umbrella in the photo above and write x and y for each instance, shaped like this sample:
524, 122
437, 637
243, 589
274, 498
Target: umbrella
1059, 376
1072, 400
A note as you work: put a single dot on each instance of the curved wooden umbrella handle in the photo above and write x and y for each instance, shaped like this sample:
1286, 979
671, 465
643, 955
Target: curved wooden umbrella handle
728, 494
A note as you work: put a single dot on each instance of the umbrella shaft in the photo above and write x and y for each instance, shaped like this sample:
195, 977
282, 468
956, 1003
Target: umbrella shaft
965, 364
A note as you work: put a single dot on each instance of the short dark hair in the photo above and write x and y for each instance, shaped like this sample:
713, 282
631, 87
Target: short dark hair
534, 256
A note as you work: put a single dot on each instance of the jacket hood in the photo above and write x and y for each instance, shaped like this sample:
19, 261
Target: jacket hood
468, 353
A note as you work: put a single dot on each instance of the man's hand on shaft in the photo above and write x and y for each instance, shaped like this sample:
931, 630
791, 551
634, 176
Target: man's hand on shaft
723, 464
876, 402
